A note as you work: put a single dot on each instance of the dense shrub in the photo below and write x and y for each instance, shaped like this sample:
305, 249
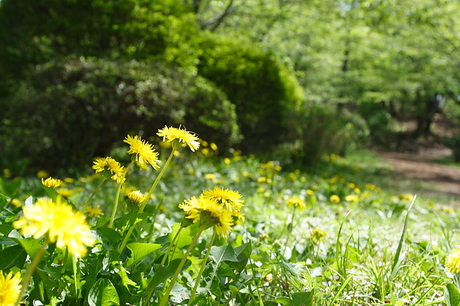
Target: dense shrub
262, 89
325, 129
71, 110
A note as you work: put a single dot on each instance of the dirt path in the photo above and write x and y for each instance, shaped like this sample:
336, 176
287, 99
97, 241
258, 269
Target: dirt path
436, 179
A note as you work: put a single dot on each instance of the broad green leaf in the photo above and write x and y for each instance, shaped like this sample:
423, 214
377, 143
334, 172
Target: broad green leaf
282, 300
12, 256
128, 220
31, 245
452, 295
9, 188
223, 253
140, 251
103, 293
302, 299
108, 237
185, 237
163, 273
243, 252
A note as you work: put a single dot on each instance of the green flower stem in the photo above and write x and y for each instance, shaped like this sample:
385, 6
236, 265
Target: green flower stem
165, 298
141, 209
30, 271
289, 228
157, 180
171, 245
94, 192
115, 206
203, 265
75, 281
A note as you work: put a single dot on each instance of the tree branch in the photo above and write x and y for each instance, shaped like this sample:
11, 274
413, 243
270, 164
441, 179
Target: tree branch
215, 22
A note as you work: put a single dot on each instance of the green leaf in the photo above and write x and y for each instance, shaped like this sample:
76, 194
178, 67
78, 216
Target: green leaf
103, 293
452, 295
223, 253
163, 273
140, 251
10, 188
31, 245
302, 299
125, 280
108, 237
282, 300
129, 220
12, 256
3, 200
185, 237
243, 252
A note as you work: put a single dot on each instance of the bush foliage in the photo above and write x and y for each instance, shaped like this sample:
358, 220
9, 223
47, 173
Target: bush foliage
78, 108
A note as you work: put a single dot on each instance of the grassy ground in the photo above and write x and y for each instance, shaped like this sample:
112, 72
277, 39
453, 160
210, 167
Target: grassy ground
355, 243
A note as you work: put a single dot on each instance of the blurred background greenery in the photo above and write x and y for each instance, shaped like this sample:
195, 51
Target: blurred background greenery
295, 78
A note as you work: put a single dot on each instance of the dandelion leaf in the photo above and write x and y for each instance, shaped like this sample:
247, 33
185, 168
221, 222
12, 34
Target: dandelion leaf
103, 293
12, 256
139, 251
108, 237
452, 295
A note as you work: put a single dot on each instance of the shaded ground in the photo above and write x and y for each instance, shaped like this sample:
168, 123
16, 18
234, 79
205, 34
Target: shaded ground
417, 162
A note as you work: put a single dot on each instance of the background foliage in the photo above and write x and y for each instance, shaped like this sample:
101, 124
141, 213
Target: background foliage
275, 63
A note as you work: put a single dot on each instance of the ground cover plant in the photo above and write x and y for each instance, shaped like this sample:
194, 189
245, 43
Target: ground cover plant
175, 225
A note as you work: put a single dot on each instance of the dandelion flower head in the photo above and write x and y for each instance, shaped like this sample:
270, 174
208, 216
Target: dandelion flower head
178, 137
51, 182
10, 288
318, 235
112, 166
229, 198
61, 225
208, 213
93, 211
453, 261
144, 152
296, 202
135, 199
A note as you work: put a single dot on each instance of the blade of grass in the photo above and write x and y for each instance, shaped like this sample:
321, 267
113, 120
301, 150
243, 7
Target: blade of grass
397, 259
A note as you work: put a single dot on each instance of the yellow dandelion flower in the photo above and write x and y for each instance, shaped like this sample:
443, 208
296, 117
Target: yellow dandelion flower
357, 190
144, 152
135, 199
334, 198
213, 146
260, 190
310, 192
52, 182
209, 176
65, 192
59, 223
10, 288
208, 213
318, 235
227, 161
205, 151
178, 137
351, 198
278, 168
69, 180
7, 173
16, 203
112, 167
261, 179
453, 261
42, 174
296, 202
93, 211
406, 197
229, 198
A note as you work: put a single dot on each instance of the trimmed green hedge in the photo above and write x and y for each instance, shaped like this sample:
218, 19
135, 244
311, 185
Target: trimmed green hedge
262, 89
